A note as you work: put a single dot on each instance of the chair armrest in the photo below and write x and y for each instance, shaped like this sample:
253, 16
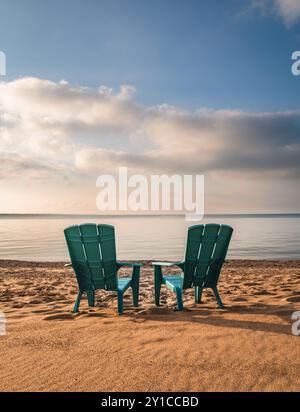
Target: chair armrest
178, 263
128, 264
67, 265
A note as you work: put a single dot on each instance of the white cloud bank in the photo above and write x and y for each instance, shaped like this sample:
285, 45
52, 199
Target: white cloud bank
57, 131
79, 129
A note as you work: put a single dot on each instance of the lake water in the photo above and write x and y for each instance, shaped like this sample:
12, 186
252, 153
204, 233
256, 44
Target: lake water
150, 237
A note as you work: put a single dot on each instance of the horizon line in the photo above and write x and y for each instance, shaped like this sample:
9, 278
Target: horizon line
20, 215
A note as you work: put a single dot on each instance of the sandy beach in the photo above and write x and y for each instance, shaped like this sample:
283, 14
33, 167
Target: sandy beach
246, 347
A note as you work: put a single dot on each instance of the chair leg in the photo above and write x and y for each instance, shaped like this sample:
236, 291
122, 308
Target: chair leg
157, 283
179, 299
120, 302
198, 294
77, 302
136, 285
90, 297
218, 297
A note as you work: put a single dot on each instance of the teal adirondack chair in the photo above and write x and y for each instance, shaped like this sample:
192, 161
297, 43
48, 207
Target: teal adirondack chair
204, 257
93, 255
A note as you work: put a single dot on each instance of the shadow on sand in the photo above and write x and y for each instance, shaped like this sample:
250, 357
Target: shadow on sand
218, 318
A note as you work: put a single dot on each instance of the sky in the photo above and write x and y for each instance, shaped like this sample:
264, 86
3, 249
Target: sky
167, 86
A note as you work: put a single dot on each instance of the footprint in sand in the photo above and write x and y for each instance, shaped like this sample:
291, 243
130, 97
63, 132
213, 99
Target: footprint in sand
24, 283
17, 316
156, 311
18, 305
41, 311
294, 299
279, 296
50, 311
68, 302
239, 299
138, 320
282, 312
62, 316
57, 283
94, 315
153, 341
58, 306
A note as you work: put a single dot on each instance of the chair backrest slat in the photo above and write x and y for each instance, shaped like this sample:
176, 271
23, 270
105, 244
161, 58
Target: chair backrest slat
85, 243
90, 243
209, 239
205, 253
194, 240
108, 253
218, 256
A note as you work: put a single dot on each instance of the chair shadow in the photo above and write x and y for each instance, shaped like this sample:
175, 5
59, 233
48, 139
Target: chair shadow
207, 316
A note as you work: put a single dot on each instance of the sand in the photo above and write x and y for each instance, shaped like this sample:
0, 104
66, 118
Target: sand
246, 347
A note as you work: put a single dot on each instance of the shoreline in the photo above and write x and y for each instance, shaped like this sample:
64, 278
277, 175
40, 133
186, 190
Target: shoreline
148, 262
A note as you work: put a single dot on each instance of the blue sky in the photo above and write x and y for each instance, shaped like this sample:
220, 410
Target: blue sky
188, 53
189, 87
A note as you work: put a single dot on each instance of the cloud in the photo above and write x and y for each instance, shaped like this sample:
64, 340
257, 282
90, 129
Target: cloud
59, 130
288, 10
51, 121
14, 165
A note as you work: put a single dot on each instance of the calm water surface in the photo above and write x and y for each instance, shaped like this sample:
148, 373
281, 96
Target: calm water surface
150, 237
